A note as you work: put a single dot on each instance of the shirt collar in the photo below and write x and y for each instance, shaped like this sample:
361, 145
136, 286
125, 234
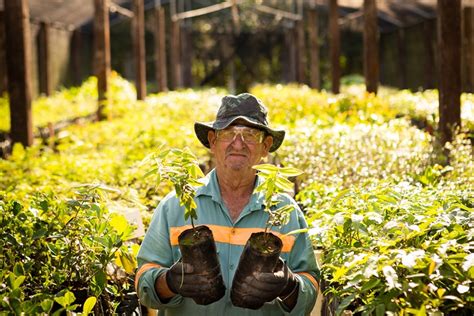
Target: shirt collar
211, 188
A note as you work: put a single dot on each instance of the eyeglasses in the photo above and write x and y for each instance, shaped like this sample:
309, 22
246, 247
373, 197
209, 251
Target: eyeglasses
249, 135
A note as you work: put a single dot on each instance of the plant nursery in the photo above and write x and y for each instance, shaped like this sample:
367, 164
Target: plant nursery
376, 98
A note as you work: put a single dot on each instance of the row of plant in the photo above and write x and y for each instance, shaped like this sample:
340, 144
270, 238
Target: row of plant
350, 146
70, 103
403, 248
290, 103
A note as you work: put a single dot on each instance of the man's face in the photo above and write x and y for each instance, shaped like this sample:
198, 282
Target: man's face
238, 147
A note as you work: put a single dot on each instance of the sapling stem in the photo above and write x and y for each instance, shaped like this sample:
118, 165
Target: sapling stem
275, 181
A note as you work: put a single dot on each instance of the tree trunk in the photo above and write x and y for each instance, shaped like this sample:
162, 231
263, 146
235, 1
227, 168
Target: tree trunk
468, 40
18, 51
160, 50
371, 49
139, 47
334, 45
3, 63
44, 59
102, 53
314, 78
449, 48
301, 51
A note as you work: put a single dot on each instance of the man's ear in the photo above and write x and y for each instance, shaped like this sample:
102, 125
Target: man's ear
267, 143
211, 137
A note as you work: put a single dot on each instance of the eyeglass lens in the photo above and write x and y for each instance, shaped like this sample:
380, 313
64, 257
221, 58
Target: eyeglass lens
248, 135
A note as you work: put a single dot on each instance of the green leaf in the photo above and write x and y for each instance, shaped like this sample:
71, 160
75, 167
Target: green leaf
266, 168
290, 172
46, 305
89, 305
344, 303
380, 310
340, 196
18, 269
67, 299
297, 231
100, 279
119, 223
151, 172
284, 184
19, 281
39, 233
370, 285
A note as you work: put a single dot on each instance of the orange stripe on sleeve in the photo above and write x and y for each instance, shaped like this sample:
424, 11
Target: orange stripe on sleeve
232, 235
143, 269
310, 278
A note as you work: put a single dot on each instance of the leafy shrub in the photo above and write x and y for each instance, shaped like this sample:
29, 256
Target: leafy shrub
56, 251
395, 248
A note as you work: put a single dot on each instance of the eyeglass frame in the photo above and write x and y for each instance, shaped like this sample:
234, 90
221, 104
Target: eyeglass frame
238, 130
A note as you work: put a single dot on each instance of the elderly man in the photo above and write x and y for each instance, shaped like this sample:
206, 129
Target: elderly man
238, 139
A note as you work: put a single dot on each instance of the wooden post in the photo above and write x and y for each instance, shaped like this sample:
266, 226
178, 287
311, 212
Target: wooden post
371, 48
175, 58
76, 60
402, 58
3, 63
314, 77
449, 48
468, 40
138, 24
334, 45
102, 53
160, 49
301, 51
44, 59
429, 64
227, 59
235, 17
186, 56
18, 51
288, 56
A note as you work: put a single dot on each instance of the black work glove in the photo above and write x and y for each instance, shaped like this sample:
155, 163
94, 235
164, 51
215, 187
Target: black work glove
261, 287
182, 279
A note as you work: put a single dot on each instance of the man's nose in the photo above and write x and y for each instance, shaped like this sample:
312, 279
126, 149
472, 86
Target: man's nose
238, 140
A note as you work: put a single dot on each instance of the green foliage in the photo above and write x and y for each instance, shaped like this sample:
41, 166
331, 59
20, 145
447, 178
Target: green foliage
57, 247
402, 246
74, 102
395, 228
181, 168
275, 181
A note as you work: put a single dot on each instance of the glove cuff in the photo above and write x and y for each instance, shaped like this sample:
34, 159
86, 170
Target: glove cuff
291, 286
169, 283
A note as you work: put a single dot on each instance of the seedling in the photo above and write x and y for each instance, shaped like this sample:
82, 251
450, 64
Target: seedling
197, 245
275, 181
181, 169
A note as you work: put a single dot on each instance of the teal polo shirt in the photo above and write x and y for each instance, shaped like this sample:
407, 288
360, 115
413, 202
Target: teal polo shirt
159, 250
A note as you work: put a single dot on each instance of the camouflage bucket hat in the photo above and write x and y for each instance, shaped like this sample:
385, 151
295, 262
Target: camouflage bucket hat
243, 106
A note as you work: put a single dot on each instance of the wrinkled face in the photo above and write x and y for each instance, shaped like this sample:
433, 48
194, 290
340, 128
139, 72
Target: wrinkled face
238, 147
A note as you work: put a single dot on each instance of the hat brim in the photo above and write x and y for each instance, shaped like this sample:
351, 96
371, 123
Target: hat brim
201, 129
